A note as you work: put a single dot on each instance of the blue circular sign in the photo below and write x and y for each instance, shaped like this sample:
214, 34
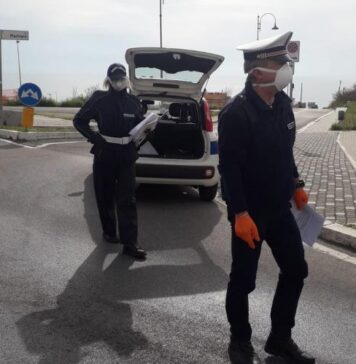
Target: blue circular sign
29, 94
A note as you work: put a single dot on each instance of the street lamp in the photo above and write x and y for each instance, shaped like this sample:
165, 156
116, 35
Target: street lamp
160, 27
18, 60
259, 20
160, 22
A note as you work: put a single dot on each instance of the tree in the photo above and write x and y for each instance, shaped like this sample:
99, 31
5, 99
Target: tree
341, 98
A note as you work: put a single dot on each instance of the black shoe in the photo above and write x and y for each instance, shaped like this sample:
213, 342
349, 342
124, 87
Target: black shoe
242, 352
134, 251
111, 239
288, 350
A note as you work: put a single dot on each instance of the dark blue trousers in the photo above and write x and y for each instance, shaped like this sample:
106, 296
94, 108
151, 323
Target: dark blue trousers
114, 185
282, 235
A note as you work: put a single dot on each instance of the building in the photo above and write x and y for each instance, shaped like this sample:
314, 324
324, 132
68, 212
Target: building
9, 95
216, 100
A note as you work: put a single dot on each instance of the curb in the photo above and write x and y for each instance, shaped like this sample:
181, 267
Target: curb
32, 136
339, 235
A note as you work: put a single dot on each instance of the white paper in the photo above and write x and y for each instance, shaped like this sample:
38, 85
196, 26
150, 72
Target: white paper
309, 223
141, 130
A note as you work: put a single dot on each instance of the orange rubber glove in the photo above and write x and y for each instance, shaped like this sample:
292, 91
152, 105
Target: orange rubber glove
300, 198
246, 229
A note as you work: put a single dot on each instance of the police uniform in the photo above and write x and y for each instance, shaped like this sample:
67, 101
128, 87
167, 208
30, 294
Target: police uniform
116, 113
258, 175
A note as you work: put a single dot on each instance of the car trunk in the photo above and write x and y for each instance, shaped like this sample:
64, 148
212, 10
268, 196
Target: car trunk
178, 134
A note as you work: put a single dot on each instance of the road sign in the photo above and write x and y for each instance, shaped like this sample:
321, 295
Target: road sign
10, 35
29, 94
293, 49
14, 34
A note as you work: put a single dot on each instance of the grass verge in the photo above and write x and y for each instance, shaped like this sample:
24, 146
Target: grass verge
350, 119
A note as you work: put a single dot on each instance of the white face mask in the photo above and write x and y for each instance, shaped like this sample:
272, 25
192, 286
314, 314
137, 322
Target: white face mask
283, 78
120, 84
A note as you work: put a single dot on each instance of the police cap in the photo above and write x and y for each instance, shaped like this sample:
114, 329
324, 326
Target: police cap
274, 48
116, 71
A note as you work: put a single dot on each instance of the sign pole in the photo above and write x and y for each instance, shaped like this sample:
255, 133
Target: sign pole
1, 108
10, 35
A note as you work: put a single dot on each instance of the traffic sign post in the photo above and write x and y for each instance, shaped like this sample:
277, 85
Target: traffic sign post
30, 95
9, 35
27, 117
293, 49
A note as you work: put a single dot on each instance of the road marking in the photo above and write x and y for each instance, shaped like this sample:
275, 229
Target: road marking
335, 253
322, 248
345, 151
39, 146
11, 142
313, 122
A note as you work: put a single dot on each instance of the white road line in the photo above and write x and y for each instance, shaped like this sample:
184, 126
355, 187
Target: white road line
336, 254
313, 122
38, 146
322, 248
345, 151
11, 142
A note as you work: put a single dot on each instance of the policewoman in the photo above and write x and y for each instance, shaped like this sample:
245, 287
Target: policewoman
259, 176
116, 113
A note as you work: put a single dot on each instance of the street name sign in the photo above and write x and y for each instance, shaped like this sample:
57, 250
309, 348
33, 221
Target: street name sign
14, 34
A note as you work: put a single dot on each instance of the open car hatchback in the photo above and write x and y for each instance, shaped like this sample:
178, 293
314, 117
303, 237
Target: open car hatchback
183, 148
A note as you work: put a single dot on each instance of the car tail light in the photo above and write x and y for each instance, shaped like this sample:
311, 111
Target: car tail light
208, 120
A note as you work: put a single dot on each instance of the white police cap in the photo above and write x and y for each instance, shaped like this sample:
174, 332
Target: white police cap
274, 48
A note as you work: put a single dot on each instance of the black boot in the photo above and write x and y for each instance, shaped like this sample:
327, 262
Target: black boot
134, 251
288, 350
111, 239
242, 352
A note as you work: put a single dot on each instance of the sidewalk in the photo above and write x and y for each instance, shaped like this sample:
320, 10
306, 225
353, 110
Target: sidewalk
322, 157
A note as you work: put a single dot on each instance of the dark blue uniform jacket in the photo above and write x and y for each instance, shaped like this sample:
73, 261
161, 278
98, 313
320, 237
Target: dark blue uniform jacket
116, 113
256, 160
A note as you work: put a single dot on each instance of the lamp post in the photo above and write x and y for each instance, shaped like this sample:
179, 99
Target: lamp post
160, 22
259, 20
18, 60
160, 27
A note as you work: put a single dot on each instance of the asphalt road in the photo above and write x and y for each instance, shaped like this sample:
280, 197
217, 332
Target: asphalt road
67, 297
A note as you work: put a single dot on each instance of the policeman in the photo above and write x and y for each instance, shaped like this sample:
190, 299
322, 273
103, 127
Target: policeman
116, 113
256, 137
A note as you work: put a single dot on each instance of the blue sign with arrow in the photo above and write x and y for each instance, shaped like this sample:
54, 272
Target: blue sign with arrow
29, 94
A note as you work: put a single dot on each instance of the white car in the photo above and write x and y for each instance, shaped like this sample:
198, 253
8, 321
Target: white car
183, 148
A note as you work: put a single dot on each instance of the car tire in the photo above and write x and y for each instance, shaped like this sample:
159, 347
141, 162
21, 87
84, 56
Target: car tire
208, 193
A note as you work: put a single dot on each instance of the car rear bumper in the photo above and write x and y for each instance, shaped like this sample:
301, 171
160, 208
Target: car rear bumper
204, 174
179, 172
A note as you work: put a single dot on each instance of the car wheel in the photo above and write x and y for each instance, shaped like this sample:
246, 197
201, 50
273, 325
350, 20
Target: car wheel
208, 193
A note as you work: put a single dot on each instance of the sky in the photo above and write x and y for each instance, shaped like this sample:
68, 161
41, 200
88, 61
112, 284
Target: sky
72, 42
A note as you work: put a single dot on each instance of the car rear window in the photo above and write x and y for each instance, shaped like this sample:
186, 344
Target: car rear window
171, 66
